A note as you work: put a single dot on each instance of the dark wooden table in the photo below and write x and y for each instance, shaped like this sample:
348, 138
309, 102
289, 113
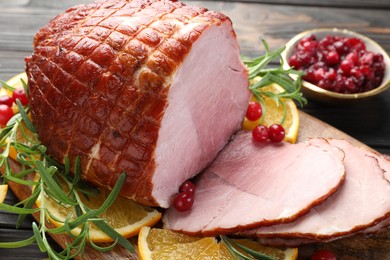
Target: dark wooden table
274, 20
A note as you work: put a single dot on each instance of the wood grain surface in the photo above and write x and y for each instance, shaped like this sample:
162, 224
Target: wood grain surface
365, 123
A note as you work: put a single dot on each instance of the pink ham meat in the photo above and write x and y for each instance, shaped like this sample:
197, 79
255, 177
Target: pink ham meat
151, 88
299, 241
251, 185
361, 204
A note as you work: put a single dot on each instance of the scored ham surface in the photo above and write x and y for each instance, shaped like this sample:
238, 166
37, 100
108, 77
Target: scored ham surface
362, 204
151, 88
251, 185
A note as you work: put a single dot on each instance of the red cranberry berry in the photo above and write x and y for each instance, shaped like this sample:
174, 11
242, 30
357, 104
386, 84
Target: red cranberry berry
346, 66
6, 114
338, 64
260, 134
352, 56
187, 186
6, 100
332, 58
254, 111
276, 133
20, 94
183, 201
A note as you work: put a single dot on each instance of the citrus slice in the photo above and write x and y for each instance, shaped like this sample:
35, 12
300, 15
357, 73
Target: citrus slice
3, 192
273, 113
15, 82
125, 216
154, 243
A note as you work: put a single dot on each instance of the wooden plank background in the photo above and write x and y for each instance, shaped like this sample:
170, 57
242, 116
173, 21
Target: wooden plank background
274, 20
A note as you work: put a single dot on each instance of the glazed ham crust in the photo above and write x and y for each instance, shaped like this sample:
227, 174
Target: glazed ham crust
100, 79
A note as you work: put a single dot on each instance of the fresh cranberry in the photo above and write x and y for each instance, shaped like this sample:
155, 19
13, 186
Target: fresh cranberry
320, 74
352, 56
346, 66
355, 44
340, 47
309, 46
183, 201
323, 255
276, 133
367, 59
338, 64
332, 58
6, 114
260, 134
293, 62
357, 75
187, 186
6, 100
20, 94
350, 85
366, 71
331, 74
378, 57
325, 84
327, 43
310, 75
309, 38
254, 111
306, 58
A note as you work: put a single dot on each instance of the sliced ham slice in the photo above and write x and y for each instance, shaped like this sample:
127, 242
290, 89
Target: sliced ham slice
152, 88
251, 185
299, 241
361, 204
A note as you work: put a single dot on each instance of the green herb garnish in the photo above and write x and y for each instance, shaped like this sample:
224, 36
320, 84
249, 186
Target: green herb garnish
33, 158
258, 68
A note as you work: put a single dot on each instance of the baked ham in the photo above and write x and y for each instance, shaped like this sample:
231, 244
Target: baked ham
362, 204
152, 88
251, 185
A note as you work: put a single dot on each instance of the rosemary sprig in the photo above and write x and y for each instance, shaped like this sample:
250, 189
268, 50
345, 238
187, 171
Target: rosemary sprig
245, 253
259, 68
33, 158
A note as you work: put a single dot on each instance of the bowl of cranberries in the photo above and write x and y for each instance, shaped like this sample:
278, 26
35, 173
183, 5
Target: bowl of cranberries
338, 64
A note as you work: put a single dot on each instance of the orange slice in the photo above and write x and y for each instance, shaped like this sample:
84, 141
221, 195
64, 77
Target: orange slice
125, 216
3, 192
163, 244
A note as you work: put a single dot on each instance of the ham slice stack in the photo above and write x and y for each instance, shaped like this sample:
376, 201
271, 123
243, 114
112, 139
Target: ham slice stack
289, 194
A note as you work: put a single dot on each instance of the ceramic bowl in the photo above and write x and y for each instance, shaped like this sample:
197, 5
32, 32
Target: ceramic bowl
319, 94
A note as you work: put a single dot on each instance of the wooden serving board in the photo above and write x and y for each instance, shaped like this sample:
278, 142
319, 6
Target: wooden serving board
356, 247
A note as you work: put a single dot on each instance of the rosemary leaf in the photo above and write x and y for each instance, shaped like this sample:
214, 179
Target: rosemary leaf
103, 248
231, 245
24, 116
53, 187
103, 226
113, 194
38, 237
6, 86
75, 222
28, 203
18, 244
17, 210
20, 180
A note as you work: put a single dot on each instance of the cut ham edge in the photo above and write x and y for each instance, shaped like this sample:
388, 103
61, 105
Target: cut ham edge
296, 238
291, 218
